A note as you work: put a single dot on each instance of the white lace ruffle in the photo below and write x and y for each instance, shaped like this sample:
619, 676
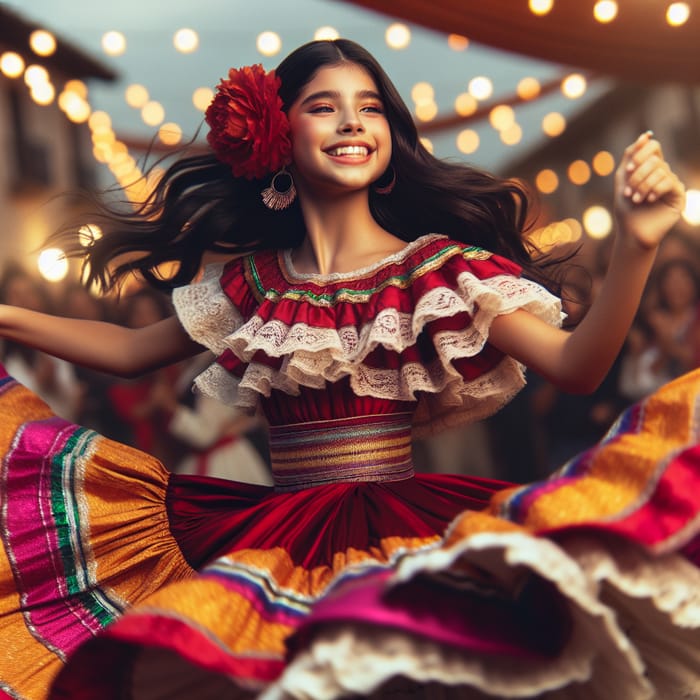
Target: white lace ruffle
634, 633
313, 356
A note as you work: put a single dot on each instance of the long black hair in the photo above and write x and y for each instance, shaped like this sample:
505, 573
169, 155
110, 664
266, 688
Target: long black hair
199, 206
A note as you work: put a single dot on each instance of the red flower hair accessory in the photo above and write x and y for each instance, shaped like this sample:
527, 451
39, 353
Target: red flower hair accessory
248, 128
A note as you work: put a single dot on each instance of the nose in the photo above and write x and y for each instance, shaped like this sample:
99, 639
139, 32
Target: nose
352, 125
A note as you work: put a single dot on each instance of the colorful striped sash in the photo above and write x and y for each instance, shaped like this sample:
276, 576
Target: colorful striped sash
363, 448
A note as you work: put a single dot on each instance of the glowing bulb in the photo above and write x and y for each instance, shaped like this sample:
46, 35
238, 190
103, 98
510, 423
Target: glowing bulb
202, 97
42, 42
480, 87
136, 95
43, 93
52, 264
170, 134
88, 234
152, 113
528, 88
540, 7
35, 75
11, 64
186, 40
546, 181
326, 34
422, 92
605, 11
457, 42
573, 86
691, 213
512, 135
100, 120
426, 111
113, 43
465, 105
553, 124
502, 117
427, 144
603, 163
579, 172
398, 36
468, 141
78, 87
597, 221
268, 43
677, 13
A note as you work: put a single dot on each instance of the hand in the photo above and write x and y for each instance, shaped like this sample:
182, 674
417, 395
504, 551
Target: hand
649, 197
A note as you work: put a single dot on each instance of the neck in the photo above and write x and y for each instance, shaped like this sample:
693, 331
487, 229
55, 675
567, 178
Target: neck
341, 235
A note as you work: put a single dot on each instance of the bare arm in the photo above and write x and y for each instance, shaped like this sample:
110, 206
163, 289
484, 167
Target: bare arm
107, 347
648, 201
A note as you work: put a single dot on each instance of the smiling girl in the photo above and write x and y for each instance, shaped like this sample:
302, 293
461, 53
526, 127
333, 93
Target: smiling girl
371, 292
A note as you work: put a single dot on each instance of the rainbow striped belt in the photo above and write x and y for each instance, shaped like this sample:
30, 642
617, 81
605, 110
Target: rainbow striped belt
362, 448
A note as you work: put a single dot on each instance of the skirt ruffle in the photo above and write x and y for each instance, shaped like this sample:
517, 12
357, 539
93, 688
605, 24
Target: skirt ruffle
118, 579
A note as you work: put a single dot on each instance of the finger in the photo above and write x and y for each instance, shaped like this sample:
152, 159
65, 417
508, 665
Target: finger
654, 186
642, 152
640, 180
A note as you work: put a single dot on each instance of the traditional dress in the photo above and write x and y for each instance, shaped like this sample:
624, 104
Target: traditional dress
352, 575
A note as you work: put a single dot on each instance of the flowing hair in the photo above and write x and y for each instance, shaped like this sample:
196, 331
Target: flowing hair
198, 206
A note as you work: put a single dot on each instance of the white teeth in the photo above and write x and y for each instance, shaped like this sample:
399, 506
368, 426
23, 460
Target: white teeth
349, 151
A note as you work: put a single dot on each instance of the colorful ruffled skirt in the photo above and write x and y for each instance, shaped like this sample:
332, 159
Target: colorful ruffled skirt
121, 580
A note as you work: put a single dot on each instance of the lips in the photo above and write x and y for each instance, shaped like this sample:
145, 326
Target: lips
356, 150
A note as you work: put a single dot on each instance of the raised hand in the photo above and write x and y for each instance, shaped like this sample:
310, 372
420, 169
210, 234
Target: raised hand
649, 196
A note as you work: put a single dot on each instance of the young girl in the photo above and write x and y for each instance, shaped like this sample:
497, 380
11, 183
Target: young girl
365, 299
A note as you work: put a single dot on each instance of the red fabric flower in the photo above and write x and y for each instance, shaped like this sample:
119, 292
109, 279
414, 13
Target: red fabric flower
248, 129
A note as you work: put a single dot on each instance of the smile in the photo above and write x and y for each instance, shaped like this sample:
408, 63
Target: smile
349, 151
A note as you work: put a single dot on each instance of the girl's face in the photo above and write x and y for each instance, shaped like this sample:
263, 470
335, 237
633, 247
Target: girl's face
340, 136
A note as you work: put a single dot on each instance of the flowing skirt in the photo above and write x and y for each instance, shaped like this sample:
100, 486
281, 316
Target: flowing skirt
121, 580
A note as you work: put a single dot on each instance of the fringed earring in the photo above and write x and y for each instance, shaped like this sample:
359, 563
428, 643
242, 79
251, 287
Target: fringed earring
389, 177
278, 199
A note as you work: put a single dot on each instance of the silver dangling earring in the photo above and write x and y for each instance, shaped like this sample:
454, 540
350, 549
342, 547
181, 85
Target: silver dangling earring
388, 188
276, 199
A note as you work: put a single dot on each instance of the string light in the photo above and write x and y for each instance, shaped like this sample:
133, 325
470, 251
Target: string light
457, 42
468, 141
113, 43
465, 104
42, 43
573, 86
186, 40
398, 36
546, 181
202, 97
11, 64
605, 11
268, 43
579, 172
52, 264
481, 87
603, 163
553, 124
597, 221
691, 212
528, 88
677, 13
540, 7
326, 34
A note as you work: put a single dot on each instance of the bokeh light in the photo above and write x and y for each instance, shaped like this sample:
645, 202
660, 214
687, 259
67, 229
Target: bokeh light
528, 88
113, 43
465, 104
691, 212
43, 43
326, 34
540, 7
481, 87
136, 95
152, 113
468, 141
202, 97
11, 64
553, 124
573, 86
457, 42
603, 163
546, 181
677, 14
398, 36
268, 43
579, 172
597, 221
186, 40
52, 264
605, 11
170, 133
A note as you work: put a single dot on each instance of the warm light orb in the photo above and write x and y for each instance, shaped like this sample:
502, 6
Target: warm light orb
170, 134
512, 135
426, 111
597, 221
78, 87
605, 11
88, 234
398, 36
326, 34
113, 43
573, 86
43, 93
579, 172
202, 97
546, 181
457, 42
43, 43
502, 117
35, 75
268, 43
481, 87
99, 120
677, 13
136, 95
186, 40
465, 104
553, 124
422, 92
468, 141
52, 264
540, 7
603, 163
427, 144
528, 88
152, 113
11, 64
691, 212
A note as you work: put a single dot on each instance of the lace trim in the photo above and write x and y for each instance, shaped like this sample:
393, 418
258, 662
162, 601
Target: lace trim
204, 309
598, 661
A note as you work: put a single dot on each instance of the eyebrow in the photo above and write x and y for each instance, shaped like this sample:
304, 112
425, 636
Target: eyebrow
335, 95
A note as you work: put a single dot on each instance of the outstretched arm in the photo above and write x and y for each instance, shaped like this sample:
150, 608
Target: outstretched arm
649, 199
107, 347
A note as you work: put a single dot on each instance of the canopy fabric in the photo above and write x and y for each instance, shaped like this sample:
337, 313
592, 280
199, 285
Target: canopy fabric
637, 45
